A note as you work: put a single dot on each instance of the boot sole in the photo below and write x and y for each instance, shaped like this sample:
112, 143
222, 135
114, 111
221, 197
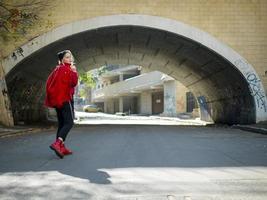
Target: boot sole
57, 153
67, 154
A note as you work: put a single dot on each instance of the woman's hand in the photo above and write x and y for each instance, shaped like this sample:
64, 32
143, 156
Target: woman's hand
73, 67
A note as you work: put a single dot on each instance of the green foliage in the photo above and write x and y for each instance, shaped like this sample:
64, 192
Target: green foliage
82, 93
101, 70
88, 79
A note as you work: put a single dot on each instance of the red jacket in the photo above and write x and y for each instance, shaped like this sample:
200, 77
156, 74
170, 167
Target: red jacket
60, 86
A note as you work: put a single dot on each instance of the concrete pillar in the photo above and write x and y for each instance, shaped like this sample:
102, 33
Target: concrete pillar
120, 104
105, 106
146, 103
170, 99
181, 91
6, 117
109, 106
121, 77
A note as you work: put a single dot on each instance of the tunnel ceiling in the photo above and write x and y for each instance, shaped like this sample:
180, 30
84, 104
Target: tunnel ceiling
204, 72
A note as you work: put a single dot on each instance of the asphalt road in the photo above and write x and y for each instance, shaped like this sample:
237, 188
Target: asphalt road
136, 162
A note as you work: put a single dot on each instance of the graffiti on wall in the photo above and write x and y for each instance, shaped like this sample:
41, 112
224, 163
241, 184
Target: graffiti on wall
4, 94
205, 110
169, 101
256, 91
254, 85
17, 53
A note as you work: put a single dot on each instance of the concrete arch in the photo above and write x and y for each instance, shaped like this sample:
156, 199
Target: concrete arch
154, 23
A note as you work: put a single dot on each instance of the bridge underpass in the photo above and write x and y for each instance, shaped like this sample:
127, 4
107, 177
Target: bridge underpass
205, 73
220, 86
144, 162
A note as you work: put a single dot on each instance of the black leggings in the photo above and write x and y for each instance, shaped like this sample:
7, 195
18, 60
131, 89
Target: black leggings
65, 117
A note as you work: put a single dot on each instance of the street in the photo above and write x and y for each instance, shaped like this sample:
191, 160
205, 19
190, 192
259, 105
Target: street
136, 162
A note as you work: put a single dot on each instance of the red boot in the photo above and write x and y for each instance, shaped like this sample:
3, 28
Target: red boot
57, 147
65, 150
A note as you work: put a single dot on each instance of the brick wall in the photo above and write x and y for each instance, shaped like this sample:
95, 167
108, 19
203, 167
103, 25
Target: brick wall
241, 24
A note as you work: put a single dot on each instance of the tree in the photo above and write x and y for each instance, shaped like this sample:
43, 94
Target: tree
90, 78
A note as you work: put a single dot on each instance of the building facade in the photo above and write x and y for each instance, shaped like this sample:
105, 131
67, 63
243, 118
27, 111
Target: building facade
131, 90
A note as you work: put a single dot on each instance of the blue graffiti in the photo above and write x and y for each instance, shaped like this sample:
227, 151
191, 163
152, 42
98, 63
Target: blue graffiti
254, 85
256, 92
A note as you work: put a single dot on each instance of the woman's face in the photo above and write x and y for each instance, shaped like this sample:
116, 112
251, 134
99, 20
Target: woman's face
67, 58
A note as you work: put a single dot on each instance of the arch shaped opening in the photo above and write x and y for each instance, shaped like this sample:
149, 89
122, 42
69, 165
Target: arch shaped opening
218, 85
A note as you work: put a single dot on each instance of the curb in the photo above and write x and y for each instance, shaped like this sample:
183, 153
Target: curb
251, 129
12, 133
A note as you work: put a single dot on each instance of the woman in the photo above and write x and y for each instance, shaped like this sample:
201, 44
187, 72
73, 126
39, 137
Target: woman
59, 95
